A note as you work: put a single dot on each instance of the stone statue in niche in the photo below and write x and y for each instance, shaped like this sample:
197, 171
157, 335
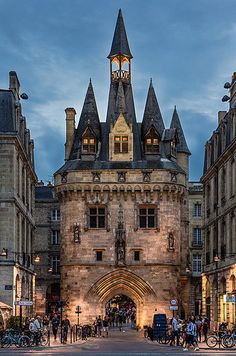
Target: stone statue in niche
120, 240
171, 242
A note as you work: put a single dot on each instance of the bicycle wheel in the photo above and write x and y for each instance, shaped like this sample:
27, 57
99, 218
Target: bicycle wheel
24, 341
165, 339
6, 341
227, 341
44, 340
211, 341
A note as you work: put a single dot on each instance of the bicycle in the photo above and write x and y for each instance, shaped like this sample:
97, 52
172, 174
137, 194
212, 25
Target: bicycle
217, 339
229, 340
14, 338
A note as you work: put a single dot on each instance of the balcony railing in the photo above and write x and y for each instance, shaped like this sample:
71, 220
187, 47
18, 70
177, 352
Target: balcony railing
197, 244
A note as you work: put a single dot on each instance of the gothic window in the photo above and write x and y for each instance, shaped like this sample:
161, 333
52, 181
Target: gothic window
197, 212
55, 214
97, 218
147, 217
151, 142
197, 263
55, 264
88, 142
121, 144
55, 237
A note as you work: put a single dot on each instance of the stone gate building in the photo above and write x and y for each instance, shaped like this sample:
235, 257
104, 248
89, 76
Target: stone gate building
123, 201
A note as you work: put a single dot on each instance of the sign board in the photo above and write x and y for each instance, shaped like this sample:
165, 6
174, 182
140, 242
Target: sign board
173, 302
174, 307
229, 298
8, 287
23, 302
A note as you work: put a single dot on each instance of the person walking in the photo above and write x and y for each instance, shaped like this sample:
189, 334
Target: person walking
105, 326
175, 331
190, 336
205, 327
55, 324
99, 326
198, 324
65, 328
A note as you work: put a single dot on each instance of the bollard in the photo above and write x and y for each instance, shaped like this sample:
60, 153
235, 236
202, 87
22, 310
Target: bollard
71, 335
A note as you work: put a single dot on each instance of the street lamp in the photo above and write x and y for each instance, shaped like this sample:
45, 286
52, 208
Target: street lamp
5, 253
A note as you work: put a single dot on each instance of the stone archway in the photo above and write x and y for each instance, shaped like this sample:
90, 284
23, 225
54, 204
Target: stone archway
123, 281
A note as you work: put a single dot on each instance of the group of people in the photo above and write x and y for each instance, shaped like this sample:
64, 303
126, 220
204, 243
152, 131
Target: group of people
191, 331
39, 324
122, 315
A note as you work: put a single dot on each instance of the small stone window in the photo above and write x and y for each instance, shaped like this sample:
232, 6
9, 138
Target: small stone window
97, 218
136, 255
121, 144
88, 142
55, 215
55, 237
197, 210
147, 217
151, 142
99, 256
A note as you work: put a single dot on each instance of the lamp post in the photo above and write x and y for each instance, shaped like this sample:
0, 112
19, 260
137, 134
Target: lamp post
78, 311
5, 252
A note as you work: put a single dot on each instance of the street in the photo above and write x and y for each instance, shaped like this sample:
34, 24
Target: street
127, 342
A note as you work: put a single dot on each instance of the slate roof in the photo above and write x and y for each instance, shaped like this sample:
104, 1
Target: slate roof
7, 111
152, 114
44, 192
168, 134
182, 144
120, 43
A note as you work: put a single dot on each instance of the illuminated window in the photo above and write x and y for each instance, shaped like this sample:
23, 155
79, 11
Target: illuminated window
121, 144
89, 144
151, 142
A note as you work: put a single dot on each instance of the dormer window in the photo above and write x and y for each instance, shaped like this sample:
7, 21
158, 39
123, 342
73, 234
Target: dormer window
121, 144
151, 142
88, 142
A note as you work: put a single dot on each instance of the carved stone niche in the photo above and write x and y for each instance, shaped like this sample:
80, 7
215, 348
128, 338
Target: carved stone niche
147, 176
96, 176
171, 242
121, 176
64, 177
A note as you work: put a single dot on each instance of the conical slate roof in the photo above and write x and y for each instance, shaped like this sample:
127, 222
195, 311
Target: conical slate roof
175, 123
120, 99
120, 43
89, 115
152, 114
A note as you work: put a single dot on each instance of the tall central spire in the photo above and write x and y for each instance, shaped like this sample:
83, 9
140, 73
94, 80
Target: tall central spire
120, 55
120, 45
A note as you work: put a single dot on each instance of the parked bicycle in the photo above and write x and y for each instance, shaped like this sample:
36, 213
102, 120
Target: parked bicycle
13, 337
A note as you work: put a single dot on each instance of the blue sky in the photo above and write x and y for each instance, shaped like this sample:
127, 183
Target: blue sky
55, 46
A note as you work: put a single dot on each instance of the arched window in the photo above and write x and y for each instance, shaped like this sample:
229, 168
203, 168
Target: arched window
151, 142
88, 142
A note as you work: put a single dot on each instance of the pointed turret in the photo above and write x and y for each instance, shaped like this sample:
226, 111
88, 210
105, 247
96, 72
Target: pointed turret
175, 124
120, 99
89, 115
120, 45
152, 115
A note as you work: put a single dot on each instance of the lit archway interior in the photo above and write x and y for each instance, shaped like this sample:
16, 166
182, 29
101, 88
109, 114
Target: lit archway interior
121, 309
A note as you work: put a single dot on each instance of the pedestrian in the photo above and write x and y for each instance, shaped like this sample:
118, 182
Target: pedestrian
205, 327
120, 320
198, 324
99, 326
65, 328
55, 324
175, 331
105, 326
190, 336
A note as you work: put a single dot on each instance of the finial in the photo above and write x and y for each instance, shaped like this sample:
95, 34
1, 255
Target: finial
150, 81
90, 81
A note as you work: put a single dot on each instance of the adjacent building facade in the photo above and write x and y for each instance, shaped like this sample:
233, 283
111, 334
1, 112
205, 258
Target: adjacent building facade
219, 185
46, 244
196, 239
123, 195
17, 180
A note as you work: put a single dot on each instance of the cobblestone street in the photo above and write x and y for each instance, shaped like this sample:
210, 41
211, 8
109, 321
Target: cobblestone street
128, 342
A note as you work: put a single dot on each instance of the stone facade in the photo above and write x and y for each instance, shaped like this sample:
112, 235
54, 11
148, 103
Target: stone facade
196, 239
17, 180
218, 280
123, 198
46, 244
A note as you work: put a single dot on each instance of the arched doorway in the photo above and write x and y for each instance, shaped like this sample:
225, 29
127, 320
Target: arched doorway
52, 298
121, 310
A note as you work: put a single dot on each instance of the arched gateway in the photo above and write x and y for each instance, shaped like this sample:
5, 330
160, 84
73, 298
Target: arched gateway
125, 282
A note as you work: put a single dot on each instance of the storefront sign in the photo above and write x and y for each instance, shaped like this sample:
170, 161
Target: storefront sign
173, 307
8, 287
229, 298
